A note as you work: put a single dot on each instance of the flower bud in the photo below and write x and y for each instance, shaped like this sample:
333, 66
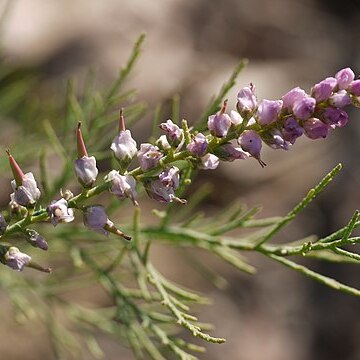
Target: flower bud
170, 177
148, 156
174, 133
86, 171
162, 143
344, 78
322, 90
315, 129
340, 99
291, 97
209, 162
354, 87
247, 102
123, 186
85, 166
235, 117
124, 147
219, 124
159, 192
28, 193
268, 111
35, 239
334, 117
3, 225
251, 142
95, 218
198, 145
291, 130
304, 108
275, 140
228, 152
59, 212
14, 258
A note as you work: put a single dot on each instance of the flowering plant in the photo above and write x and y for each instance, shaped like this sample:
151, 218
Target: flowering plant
141, 312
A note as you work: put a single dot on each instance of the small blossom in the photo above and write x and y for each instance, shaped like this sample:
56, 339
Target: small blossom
268, 111
85, 166
149, 156
95, 218
275, 140
170, 177
322, 90
291, 130
159, 192
340, 99
334, 117
124, 146
228, 152
209, 162
247, 102
198, 145
344, 78
236, 118
251, 142
219, 124
3, 225
163, 143
304, 108
35, 239
173, 132
86, 171
123, 186
354, 87
292, 96
28, 193
15, 259
315, 129
59, 212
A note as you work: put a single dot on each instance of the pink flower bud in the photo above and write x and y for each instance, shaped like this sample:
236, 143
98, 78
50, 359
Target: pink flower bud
198, 145
292, 96
170, 177
174, 133
123, 186
15, 259
35, 239
209, 162
86, 171
304, 108
315, 129
340, 99
59, 212
354, 87
268, 111
344, 78
322, 90
148, 156
247, 101
219, 124
95, 218
228, 152
334, 117
27, 194
291, 130
159, 192
124, 147
251, 142
275, 140
236, 118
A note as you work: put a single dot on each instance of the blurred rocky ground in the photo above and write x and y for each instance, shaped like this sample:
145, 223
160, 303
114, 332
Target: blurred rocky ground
191, 49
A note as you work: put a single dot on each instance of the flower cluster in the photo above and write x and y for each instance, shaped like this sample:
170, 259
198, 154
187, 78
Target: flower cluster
277, 123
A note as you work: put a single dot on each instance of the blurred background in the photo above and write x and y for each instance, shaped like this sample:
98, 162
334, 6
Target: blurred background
190, 50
